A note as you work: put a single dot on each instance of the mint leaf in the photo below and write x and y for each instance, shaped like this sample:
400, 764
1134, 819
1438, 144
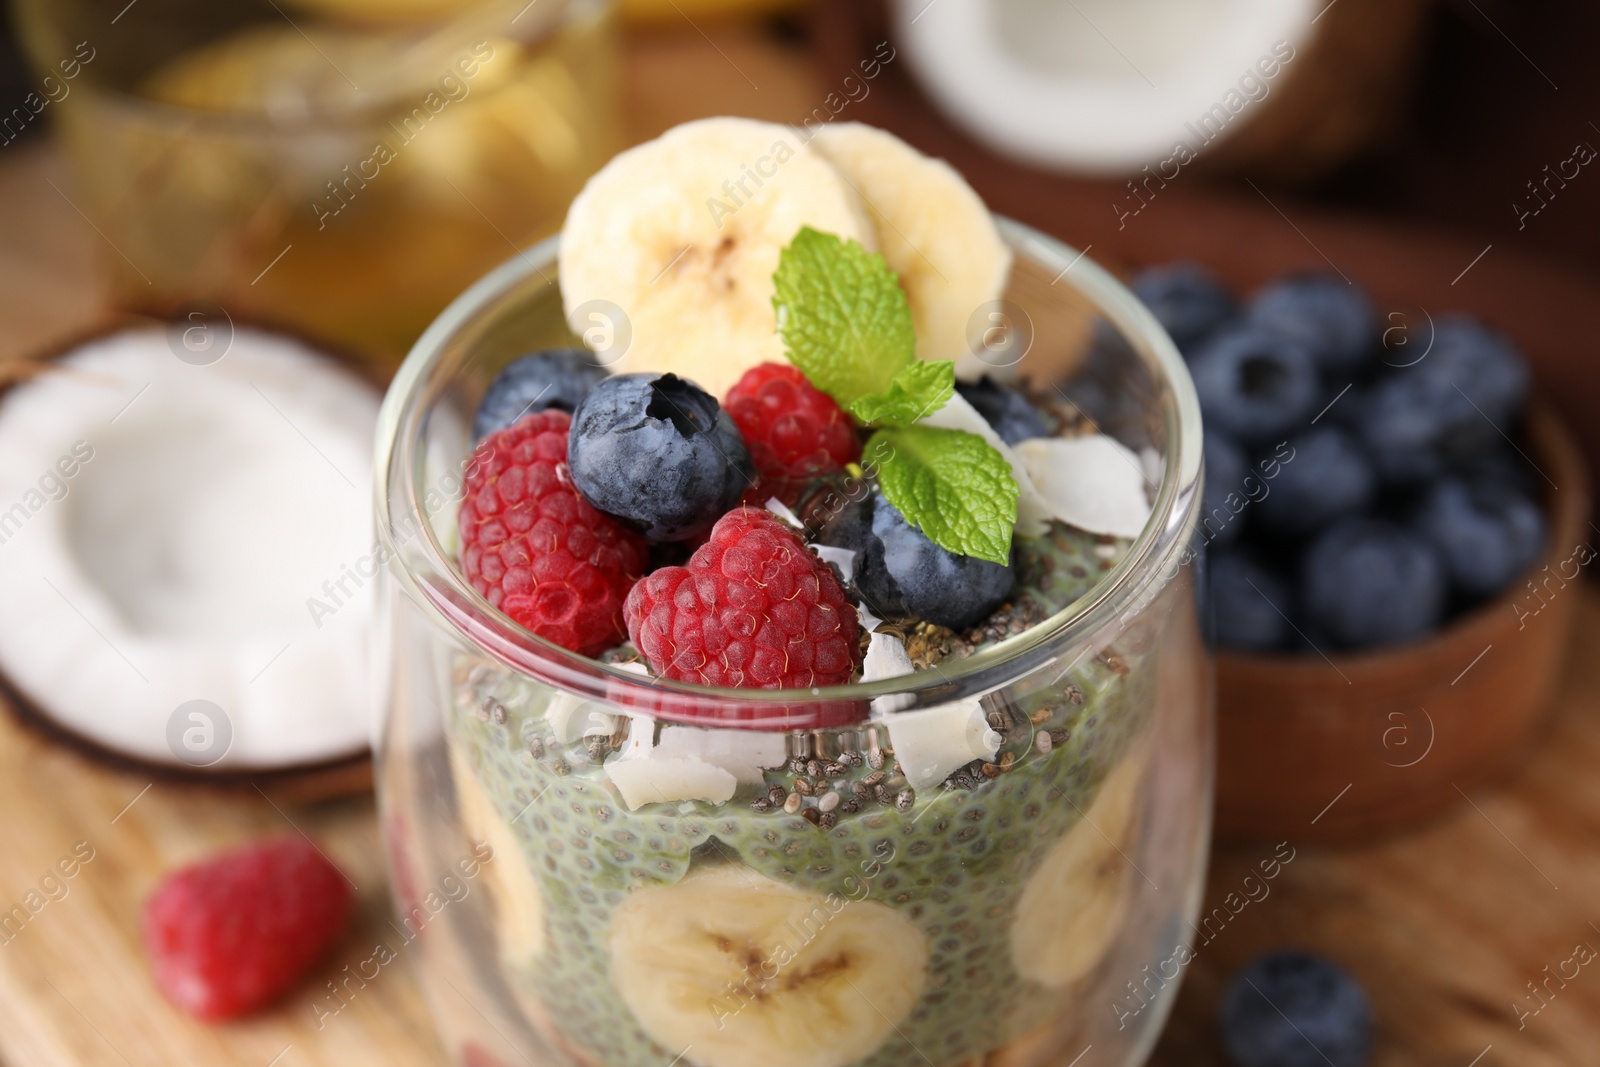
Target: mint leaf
917, 390
953, 485
843, 315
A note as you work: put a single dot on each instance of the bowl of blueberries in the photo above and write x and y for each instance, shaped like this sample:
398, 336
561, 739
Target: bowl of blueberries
1391, 519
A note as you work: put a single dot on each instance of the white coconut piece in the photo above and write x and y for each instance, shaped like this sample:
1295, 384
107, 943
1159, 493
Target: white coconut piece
1095, 483
886, 658
742, 753
662, 779
843, 558
783, 511
1102, 85
929, 745
641, 738
172, 533
1033, 514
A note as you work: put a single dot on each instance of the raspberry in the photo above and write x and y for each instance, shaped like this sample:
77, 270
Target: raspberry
793, 430
754, 609
535, 548
230, 935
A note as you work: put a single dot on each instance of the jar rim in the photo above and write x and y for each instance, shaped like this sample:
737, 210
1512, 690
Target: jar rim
426, 573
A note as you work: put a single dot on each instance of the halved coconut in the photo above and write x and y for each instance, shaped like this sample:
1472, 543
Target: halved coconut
1103, 85
186, 552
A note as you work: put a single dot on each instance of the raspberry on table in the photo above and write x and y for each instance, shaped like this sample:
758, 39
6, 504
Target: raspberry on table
231, 934
753, 609
793, 430
535, 548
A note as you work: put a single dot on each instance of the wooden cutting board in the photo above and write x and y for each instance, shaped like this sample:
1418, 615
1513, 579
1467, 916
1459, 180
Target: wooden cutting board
1444, 926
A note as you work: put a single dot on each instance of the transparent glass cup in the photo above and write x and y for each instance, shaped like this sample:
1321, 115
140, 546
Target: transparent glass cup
1029, 905
338, 168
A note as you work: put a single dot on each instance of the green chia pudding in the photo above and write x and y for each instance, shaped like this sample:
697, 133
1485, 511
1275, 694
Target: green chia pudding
837, 821
900, 881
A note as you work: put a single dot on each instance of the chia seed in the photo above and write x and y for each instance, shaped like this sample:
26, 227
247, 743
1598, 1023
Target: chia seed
797, 766
828, 801
776, 795
813, 768
1059, 737
873, 779
990, 771
812, 816
1043, 741
875, 759
562, 768
792, 804
862, 790
761, 804
804, 787
905, 800
834, 770
827, 820
850, 807
535, 748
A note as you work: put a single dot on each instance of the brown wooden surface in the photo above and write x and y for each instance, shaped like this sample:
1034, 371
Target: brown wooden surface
1445, 926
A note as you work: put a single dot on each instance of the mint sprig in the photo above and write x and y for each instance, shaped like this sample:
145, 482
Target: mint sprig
846, 324
916, 391
953, 485
843, 316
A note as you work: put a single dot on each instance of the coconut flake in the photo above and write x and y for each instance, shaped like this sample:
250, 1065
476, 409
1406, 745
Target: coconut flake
641, 738
1033, 514
930, 745
843, 558
780, 509
660, 780
742, 753
886, 658
1094, 483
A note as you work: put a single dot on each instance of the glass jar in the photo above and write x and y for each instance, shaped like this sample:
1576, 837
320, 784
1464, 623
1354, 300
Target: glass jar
836, 909
339, 168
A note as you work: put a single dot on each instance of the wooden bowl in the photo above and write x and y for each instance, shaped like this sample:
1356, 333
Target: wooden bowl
1340, 749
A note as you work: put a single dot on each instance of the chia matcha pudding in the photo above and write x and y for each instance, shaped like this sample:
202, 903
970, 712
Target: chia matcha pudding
755, 716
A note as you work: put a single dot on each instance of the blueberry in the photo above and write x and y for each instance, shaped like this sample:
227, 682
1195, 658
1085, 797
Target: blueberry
1006, 410
1332, 318
1293, 1009
1486, 533
1226, 467
1446, 410
1186, 299
1326, 477
1371, 582
1249, 604
658, 453
898, 571
556, 378
1253, 385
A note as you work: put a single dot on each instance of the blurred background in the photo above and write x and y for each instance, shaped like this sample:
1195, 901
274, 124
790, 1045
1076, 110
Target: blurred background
342, 169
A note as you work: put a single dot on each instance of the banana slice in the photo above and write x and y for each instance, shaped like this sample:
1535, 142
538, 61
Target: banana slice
518, 903
674, 242
1073, 907
733, 968
933, 230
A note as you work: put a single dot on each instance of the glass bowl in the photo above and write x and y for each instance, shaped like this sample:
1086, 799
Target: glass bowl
1025, 907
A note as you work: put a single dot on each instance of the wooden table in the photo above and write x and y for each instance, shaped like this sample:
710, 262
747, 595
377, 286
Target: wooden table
1445, 926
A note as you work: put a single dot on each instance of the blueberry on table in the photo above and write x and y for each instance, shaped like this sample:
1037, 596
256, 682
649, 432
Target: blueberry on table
1369, 582
1293, 1009
1327, 477
658, 453
1186, 299
1249, 604
1331, 317
1255, 386
1226, 468
898, 571
1449, 408
555, 378
1005, 409
1487, 533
